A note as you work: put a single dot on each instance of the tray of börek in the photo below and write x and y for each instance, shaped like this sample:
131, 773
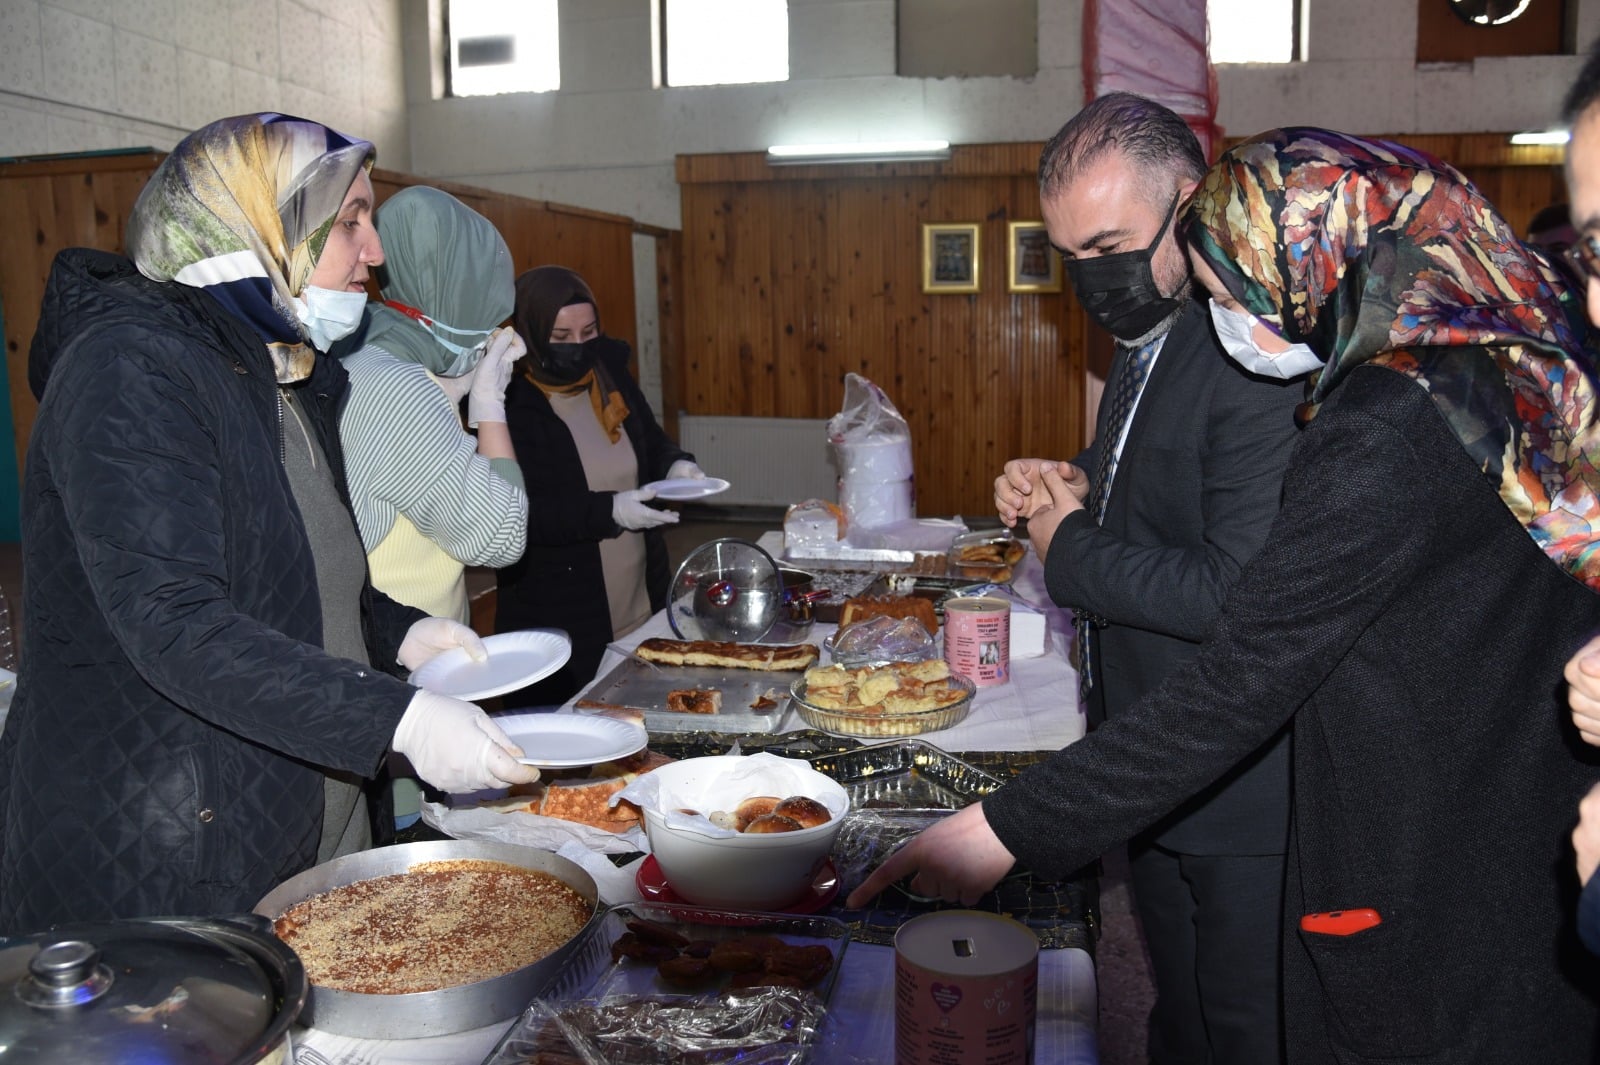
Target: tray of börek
701, 685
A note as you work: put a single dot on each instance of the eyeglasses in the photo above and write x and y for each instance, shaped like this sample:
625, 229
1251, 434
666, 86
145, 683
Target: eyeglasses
1585, 255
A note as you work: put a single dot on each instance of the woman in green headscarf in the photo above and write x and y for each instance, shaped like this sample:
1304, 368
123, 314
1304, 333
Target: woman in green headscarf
1432, 567
430, 498
202, 646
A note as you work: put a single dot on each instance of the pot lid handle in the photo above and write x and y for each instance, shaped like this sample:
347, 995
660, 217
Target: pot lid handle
67, 973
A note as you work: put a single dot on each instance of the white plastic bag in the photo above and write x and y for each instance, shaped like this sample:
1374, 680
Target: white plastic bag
872, 445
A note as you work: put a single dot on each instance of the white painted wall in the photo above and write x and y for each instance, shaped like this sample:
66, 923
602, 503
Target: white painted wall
607, 139
87, 75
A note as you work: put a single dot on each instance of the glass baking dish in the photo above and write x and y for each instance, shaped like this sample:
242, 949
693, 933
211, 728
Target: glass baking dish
882, 724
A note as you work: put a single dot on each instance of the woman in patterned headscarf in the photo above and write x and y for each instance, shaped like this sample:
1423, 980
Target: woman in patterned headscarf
201, 645
1430, 571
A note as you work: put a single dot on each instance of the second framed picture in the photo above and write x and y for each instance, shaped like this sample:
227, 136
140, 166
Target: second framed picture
1032, 265
950, 256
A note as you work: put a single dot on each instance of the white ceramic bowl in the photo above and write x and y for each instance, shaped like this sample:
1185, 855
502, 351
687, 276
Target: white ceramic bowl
743, 871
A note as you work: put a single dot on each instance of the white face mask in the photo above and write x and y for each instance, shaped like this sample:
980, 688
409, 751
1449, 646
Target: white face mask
329, 314
1235, 329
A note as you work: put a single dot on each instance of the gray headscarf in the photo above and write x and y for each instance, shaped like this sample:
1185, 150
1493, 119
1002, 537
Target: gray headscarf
448, 270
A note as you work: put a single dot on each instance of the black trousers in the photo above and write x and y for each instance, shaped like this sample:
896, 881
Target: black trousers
1214, 926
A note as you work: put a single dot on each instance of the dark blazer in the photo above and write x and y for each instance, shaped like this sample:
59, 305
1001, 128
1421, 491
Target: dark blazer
174, 706
1416, 634
558, 582
1196, 489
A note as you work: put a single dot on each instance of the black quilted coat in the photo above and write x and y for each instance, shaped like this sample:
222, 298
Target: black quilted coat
175, 704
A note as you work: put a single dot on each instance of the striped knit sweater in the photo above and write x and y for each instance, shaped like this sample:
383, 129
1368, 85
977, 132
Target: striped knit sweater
411, 464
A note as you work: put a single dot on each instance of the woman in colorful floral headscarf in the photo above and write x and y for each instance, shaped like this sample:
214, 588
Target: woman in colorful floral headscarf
1430, 571
202, 646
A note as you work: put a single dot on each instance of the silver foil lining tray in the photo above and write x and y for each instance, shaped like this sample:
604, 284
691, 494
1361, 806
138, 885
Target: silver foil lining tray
906, 774
602, 1010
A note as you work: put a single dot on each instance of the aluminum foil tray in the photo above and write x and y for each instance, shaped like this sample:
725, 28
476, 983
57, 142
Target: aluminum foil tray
907, 773
650, 1022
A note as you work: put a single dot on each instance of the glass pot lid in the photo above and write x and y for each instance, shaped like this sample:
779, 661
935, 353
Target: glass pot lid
725, 590
145, 990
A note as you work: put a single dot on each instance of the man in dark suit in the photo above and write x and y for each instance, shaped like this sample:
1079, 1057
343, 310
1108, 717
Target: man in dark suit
1173, 498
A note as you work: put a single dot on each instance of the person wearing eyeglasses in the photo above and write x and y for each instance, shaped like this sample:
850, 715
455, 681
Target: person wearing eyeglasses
1581, 111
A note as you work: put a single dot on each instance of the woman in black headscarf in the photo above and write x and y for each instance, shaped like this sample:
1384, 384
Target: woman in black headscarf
596, 563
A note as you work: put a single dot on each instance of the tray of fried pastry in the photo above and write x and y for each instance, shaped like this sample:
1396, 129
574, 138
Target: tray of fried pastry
692, 686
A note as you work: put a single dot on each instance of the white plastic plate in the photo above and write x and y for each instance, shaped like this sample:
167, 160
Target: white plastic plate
560, 741
681, 488
515, 659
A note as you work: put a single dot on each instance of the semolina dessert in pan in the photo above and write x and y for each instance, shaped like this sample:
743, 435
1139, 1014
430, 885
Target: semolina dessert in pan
439, 924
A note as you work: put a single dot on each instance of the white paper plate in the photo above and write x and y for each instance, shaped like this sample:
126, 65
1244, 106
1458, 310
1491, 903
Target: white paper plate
515, 659
560, 741
680, 488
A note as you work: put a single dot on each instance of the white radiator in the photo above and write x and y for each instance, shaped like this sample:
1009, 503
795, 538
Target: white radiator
767, 461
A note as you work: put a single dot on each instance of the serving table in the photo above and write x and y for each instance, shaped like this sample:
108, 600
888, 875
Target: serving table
1009, 727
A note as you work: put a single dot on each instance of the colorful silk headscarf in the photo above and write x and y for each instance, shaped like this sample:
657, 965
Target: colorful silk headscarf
1371, 252
242, 209
448, 263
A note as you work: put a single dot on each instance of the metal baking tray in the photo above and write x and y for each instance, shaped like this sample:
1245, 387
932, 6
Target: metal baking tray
593, 989
643, 686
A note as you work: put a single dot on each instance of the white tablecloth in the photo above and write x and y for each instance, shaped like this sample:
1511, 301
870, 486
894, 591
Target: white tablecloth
1037, 710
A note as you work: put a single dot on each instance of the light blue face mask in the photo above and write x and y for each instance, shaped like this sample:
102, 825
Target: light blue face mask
329, 314
466, 358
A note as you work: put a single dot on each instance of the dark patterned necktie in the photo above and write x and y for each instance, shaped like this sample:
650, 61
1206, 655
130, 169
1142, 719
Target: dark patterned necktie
1129, 384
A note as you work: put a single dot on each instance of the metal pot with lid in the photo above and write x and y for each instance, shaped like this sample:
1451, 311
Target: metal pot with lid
181, 990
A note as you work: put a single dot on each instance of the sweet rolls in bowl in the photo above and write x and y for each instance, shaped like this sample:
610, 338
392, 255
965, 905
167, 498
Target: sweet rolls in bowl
686, 805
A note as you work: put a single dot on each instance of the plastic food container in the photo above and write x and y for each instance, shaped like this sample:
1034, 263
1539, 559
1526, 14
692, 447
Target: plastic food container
990, 555
858, 723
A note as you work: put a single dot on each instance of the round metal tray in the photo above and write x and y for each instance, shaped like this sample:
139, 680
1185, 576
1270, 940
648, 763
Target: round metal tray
427, 1013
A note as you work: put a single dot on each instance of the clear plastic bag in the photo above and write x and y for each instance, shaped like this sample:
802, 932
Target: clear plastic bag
870, 437
882, 639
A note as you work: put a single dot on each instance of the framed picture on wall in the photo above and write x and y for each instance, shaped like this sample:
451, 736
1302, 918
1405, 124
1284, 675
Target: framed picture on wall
1032, 265
950, 256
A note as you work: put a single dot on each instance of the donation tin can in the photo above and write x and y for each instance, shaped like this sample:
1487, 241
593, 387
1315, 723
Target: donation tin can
977, 638
965, 990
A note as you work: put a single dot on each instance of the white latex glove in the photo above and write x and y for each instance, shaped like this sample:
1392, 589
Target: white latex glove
457, 387
685, 468
628, 510
432, 636
455, 747
486, 400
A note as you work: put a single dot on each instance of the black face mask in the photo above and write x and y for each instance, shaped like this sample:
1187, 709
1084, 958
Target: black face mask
1120, 292
564, 363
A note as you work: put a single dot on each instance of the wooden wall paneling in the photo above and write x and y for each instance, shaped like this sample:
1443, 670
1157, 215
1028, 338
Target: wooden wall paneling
669, 282
844, 259
51, 204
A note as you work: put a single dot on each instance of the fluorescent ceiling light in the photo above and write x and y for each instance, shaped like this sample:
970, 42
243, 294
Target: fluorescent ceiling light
1541, 136
858, 152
